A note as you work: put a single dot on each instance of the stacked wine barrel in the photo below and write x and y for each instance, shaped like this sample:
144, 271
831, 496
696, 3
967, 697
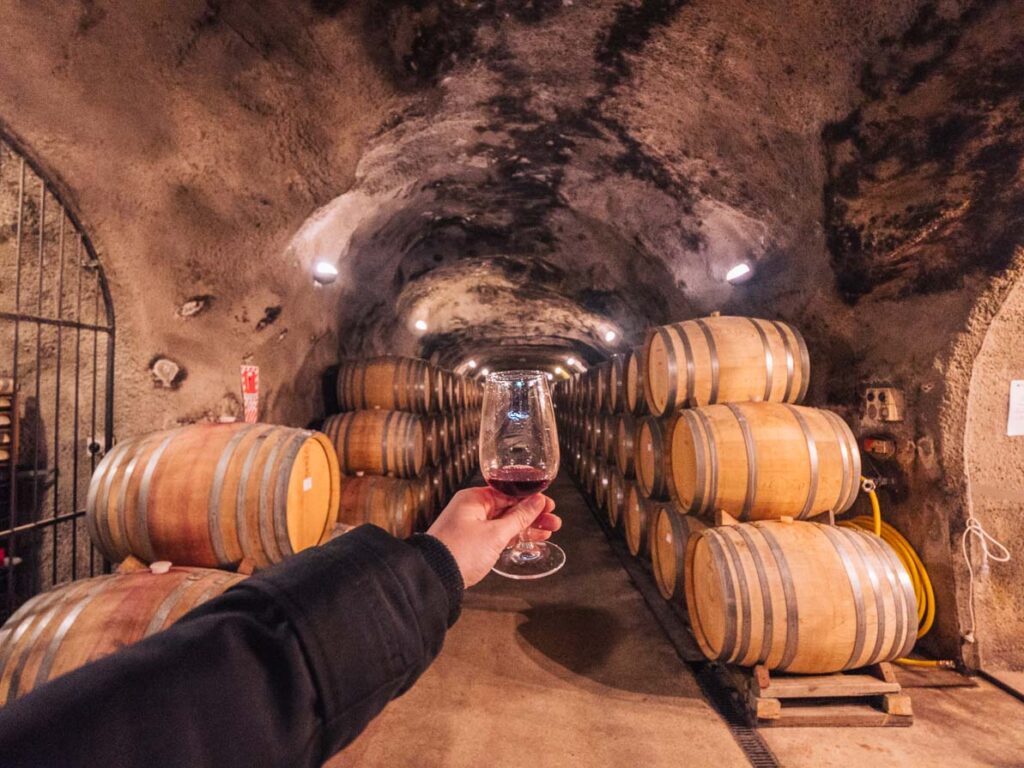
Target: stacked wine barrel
695, 447
405, 438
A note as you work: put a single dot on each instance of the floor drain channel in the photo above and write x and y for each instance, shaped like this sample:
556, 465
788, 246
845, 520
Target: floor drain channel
718, 694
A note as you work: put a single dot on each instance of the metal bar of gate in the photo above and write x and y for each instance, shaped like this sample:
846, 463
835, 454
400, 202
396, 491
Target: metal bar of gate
48, 463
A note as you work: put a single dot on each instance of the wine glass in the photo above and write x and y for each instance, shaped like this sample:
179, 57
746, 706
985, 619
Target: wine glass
519, 457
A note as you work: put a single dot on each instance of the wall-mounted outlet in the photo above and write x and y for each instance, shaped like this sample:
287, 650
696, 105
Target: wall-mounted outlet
882, 404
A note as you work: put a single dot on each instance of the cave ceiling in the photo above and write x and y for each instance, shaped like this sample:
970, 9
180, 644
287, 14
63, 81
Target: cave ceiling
563, 174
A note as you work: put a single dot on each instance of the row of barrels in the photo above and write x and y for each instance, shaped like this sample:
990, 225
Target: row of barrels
752, 589
405, 440
705, 361
402, 506
794, 596
408, 384
213, 495
397, 444
756, 461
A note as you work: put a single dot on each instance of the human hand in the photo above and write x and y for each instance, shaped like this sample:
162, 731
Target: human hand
479, 523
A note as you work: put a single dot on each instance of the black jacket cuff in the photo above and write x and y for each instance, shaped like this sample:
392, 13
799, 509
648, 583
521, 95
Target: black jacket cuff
442, 563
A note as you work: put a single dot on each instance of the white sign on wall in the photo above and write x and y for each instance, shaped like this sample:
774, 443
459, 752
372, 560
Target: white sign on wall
1015, 421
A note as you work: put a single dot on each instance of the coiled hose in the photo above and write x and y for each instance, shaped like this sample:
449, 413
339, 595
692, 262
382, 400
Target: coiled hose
911, 562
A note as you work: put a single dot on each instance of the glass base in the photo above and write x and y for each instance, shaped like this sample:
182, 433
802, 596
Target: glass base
543, 559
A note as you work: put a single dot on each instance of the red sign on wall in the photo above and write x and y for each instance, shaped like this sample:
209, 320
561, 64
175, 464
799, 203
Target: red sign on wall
251, 392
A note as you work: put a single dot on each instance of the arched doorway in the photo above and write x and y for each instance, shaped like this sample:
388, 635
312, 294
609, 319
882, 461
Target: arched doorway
56, 382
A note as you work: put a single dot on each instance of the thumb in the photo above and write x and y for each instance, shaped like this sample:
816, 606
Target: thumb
517, 519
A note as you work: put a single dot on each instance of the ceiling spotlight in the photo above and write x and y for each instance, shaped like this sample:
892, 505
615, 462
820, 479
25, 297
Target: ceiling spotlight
324, 272
559, 371
571, 361
610, 336
738, 274
484, 372
420, 325
471, 363
551, 377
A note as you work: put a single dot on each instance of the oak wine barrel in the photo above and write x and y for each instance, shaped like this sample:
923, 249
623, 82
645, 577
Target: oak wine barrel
379, 442
615, 400
61, 630
213, 494
760, 461
432, 448
387, 502
651, 460
600, 400
437, 490
625, 447
633, 382
615, 498
670, 532
440, 392
723, 360
388, 383
604, 472
798, 597
609, 434
636, 516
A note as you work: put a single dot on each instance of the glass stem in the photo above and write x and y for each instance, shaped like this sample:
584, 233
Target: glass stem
524, 544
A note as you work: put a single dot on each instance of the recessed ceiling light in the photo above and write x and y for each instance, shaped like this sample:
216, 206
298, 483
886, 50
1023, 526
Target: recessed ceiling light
484, 372
324, 272
738, 273
471, 363
421, 325
551, 377
571, 361
610, 336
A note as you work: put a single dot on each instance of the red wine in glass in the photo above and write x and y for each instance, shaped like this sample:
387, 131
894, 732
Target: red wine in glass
518, 481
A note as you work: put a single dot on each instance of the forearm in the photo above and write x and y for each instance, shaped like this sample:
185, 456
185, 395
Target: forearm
285, 669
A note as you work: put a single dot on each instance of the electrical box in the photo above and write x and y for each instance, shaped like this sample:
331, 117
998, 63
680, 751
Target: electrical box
883, 404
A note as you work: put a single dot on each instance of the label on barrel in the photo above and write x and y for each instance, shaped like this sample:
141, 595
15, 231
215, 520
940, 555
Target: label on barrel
251, 392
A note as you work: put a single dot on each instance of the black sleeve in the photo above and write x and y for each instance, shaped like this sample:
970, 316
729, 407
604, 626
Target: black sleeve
284, 669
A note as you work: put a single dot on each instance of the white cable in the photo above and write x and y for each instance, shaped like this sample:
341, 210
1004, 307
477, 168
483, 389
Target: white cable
999, 553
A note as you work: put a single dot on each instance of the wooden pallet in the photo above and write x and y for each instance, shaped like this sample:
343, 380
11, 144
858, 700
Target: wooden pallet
866, 697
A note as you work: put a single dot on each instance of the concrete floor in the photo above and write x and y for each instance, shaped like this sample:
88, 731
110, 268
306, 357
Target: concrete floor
573, 670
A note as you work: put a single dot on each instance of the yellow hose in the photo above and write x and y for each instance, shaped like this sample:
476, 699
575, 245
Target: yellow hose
912, 564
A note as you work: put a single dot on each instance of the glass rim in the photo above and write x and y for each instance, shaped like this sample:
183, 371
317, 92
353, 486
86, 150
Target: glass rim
516, 375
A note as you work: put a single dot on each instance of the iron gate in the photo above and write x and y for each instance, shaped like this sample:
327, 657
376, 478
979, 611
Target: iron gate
56, 382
